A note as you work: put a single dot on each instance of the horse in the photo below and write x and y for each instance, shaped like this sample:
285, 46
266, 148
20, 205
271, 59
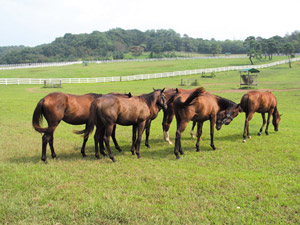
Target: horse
200, 106
57, 106
169, 113
261, 102
109, 110
227, 113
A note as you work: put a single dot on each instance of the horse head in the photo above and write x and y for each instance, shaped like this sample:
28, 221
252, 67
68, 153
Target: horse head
226, 116
276, 120
161, 100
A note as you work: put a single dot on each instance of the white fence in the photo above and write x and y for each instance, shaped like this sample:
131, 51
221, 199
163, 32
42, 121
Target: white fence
18, 81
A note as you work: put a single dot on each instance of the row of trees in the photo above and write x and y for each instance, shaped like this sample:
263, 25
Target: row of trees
118, 43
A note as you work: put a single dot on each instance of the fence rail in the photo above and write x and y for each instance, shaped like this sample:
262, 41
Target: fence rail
19, 81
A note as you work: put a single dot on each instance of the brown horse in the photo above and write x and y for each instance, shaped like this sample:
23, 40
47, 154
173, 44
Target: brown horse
227, 111
261, 102
169, 114
200, 106
57, 106
109, 110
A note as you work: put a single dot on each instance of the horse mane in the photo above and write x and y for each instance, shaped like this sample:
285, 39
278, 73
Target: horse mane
96, 95
224, 103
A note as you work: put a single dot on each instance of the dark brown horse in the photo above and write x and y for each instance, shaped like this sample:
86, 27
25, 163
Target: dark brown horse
200, 106
109, 110
261, 102
227, 111
57, 106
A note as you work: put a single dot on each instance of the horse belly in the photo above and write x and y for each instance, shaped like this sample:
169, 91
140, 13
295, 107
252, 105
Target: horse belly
75, 118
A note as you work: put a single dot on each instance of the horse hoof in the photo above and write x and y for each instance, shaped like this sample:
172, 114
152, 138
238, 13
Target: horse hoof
177, 157
170, 142
244, 141
259, 133
113, 159
267, 133
249, 137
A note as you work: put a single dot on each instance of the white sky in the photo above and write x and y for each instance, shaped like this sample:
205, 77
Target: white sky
35, 22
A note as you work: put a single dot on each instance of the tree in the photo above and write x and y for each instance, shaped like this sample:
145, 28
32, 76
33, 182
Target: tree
216, 48
254, 48
288, 50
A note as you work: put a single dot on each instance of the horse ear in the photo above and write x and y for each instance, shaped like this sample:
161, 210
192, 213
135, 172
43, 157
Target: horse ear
280, 115
177, 91
129, 95
162, 90
153, 89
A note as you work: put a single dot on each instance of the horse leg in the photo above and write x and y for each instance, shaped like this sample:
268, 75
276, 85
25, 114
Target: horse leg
96, 141
268, 120
199, 132
181, 125
115, 140
147, 127
166, 126
246, 128
108, 132
192, 130
141, 127
133, 146
264, 122
85, 139
51, 146
45, 140
101, 145
212, 129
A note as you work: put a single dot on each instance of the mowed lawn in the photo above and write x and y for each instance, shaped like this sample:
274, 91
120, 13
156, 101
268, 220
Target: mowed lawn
257, 182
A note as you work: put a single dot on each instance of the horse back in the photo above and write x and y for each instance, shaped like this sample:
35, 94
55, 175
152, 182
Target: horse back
121, 110
255, 101
201, 108
73, 109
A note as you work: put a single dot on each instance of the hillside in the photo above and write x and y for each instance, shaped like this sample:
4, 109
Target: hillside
119, 43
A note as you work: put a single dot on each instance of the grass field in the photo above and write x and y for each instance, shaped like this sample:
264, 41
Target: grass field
257, 182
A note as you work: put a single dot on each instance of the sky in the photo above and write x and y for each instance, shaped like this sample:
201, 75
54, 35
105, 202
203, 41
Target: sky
35, 22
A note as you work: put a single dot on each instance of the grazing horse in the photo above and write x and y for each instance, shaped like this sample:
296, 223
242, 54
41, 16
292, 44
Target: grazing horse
57, 106
261, 102
109, 110
228, 110
200, 106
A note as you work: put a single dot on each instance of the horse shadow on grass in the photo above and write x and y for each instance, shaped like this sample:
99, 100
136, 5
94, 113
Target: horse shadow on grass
159, 150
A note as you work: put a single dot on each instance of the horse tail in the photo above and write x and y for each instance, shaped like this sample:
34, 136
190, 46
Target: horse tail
91, 121
244, 104
193, 95
37, 117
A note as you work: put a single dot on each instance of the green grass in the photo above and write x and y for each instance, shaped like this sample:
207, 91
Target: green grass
124, 69
256, 182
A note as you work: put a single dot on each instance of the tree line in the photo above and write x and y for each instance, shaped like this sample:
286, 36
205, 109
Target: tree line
119, 43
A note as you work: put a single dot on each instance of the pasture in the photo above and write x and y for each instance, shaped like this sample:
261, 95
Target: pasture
257, 182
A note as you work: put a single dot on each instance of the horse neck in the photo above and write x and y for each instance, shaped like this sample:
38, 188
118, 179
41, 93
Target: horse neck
224, 103
150, 100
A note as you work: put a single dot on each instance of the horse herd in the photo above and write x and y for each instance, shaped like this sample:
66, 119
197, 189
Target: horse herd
105, 111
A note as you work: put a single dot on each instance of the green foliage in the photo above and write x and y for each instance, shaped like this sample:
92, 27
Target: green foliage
116, 43
256, 182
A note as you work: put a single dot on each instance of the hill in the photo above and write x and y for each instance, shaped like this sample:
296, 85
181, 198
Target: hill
119, 43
